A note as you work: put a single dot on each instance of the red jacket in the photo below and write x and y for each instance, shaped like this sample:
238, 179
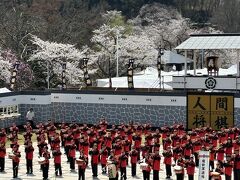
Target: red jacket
123, 161
134, 156
94, 158
29, 152
57, 157
2, 152
156, 162
228, 167
191, 168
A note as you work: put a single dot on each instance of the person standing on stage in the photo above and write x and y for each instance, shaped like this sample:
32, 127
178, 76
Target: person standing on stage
30, 116
29, 157
15, 161
82, 166
2, 156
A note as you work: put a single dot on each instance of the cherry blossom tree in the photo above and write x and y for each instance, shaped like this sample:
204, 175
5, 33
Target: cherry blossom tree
24, 74
51, 55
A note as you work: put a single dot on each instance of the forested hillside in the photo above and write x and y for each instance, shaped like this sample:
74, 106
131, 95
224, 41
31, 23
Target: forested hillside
33, 31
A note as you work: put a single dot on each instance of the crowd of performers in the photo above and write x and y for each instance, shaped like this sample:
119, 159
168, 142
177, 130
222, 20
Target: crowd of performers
120, 146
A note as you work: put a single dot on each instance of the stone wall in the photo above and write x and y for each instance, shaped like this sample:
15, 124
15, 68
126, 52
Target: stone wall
118, 113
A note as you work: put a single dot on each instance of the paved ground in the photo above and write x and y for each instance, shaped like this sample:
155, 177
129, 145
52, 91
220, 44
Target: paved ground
37, 174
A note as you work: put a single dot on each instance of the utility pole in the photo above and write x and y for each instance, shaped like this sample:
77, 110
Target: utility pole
117, 50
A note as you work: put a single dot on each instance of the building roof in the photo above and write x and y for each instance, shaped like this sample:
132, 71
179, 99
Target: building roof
211, 41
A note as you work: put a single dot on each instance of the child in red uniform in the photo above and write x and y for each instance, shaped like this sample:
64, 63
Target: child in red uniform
29, 157
57, 161
16, 161
82, 166
123, 165
228, 168
156, 165
94, 160
2, 157
134, 156
168, 161
190, 168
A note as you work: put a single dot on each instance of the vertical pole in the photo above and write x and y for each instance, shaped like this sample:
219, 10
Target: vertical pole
194, 62
185, 63
48, 84
117, 53
202, 58
238, 52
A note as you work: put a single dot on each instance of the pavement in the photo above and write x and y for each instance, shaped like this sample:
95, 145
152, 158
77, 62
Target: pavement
37, 174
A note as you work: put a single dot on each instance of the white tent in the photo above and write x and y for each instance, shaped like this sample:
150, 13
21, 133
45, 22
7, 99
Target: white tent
170, 57
4, 90
149, 78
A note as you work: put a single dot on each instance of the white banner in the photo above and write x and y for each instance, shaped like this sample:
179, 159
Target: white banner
203, 165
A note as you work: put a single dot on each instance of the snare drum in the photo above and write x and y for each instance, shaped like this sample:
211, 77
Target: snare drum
143, 166
11, 155
215, 176
112, 171
80, 162
41, 160
178, 169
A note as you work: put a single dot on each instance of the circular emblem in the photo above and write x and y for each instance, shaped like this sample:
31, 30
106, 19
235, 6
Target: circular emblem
210, 83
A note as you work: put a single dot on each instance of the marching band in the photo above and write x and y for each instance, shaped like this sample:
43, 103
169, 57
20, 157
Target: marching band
117, 147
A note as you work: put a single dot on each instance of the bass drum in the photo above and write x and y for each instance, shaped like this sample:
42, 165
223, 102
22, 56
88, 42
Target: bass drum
112, 171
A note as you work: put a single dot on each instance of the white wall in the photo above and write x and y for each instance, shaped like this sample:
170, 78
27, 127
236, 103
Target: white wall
119, 99
25, 99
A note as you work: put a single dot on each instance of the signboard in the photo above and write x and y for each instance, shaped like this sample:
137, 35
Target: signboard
198, 111
222, 109
203, 173
214, 110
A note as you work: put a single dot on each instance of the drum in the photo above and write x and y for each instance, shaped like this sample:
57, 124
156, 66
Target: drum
112, 171
143, 166
215, 176
11, 155
178, 169
41, 160
80, 162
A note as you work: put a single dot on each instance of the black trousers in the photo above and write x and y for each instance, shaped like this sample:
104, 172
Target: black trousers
168, 170
32, 123
2, 164
146, 175
155, 175
134, 167
227, 177
29, 165
94, 169
211, 164
81, 174
104, 168
15, 169
180, 176
190, 177
72, 163
45, 171
58, 169
123, 171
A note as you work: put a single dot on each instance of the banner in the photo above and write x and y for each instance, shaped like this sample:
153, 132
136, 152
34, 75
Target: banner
203, 165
